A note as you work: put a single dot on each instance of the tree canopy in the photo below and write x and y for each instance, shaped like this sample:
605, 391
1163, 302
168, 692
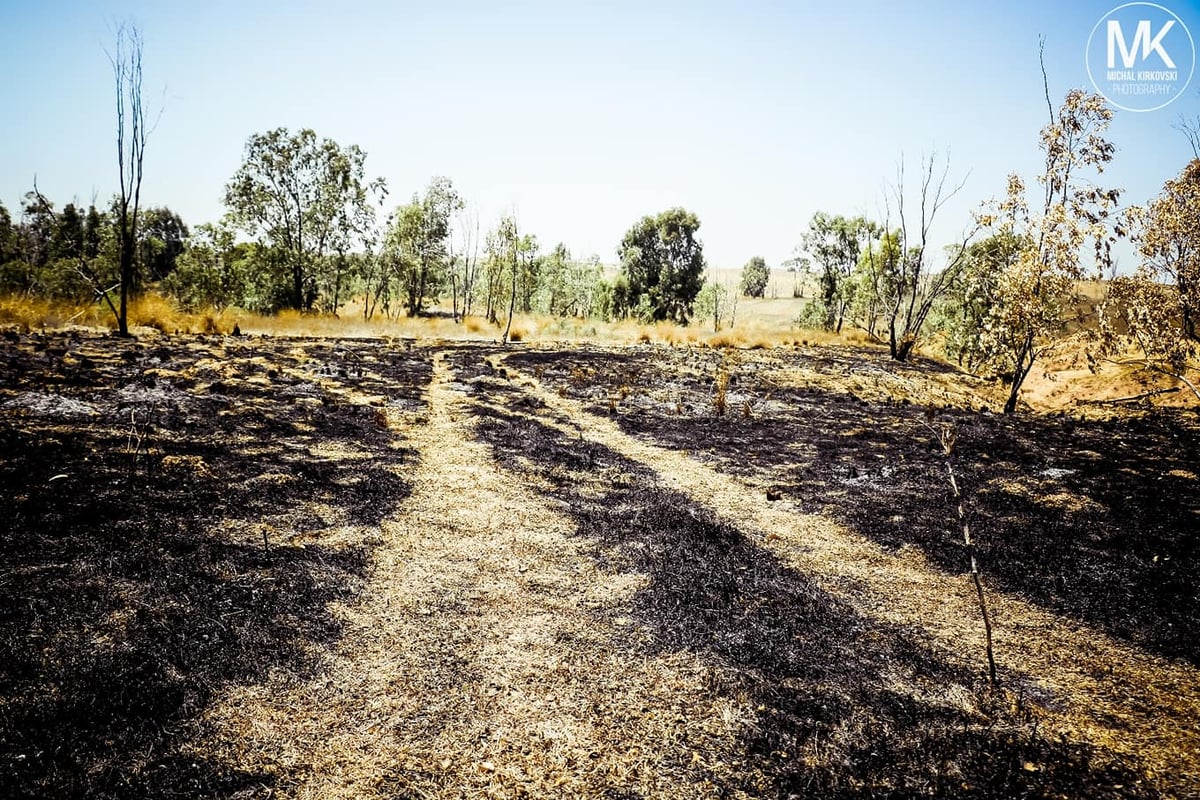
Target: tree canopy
755, 276
305, 197
662, 262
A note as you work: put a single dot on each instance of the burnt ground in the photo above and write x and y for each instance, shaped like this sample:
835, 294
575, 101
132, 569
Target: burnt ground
167, 505
812, 667
1096, 519
189, 517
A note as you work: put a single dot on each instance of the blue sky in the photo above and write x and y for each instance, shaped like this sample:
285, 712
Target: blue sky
580, 117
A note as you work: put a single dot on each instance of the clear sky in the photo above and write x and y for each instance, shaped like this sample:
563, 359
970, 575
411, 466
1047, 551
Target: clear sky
581, 117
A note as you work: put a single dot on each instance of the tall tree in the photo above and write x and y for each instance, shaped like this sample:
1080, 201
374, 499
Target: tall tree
1036, 292
834, 243
1155, 312
507, 257
93, 233
68, 234
300, 195
132, 132
556, 281
464, 262
662, 262
39, 223
416, 249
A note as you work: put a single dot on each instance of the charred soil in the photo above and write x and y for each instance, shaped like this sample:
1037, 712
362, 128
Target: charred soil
252, 567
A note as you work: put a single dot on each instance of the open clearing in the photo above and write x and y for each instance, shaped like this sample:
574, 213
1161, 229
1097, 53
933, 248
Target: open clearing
274, 567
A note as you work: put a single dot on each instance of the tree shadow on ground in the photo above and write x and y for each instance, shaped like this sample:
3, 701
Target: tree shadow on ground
845, 706
164, 543
1097, 520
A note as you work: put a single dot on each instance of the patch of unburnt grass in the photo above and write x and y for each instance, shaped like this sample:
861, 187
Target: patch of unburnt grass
1094, 519
169, 540
839, 705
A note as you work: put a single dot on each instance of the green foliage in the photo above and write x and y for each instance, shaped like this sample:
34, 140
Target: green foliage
755, 276
304, 198
874, 287
555, 290
212, 271
644, 310
813, 315
715, 303
415, 258
67, 239
622, 297
161, 236
662, 262
16, 276
9, 245
603, 298
962, 313
511, 269
834, 244
1031, 297
568, 287
708, 303
93, 233
61, 279
1155, 311
38, 226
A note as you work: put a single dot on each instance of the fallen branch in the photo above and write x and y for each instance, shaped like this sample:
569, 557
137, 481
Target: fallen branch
1132, 398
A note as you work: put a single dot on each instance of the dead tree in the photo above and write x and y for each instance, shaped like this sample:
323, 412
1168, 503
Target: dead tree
132, 131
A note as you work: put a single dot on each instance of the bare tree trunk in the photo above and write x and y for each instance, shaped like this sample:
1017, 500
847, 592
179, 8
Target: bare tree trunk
1021, 369
126, 61
512, 295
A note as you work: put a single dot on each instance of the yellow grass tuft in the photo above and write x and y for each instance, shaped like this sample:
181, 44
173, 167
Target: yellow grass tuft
721, 392
31, 312
157, 312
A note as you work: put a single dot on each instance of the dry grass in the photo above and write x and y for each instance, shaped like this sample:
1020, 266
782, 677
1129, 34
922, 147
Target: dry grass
145, 311
559, 608
1092, 687
762, 325
721, 393
488, 658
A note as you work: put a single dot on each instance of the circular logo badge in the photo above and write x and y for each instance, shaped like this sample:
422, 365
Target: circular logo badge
1140, 56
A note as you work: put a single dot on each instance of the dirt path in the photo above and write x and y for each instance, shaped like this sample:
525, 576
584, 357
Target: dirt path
473, 663
1093, 687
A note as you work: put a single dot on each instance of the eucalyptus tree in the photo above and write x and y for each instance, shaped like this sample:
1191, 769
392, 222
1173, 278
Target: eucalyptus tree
1155, 311
305, 198
755, 276
416, 245
909, 285
1035, 294
834, 243
662, 262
